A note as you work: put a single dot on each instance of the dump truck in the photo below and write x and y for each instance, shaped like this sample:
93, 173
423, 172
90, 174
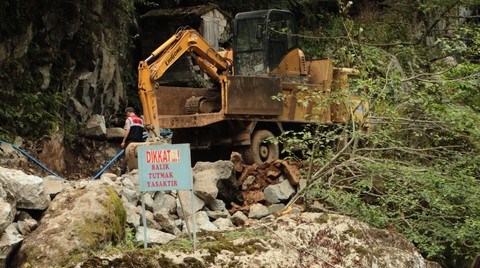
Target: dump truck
255, 89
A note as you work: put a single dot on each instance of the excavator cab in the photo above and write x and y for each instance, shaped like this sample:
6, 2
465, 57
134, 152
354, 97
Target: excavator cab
261, 39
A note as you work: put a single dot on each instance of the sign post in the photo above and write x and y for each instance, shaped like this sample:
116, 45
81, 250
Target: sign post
165, 167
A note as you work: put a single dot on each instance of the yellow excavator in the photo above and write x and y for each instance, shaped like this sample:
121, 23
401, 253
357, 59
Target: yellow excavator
256, 92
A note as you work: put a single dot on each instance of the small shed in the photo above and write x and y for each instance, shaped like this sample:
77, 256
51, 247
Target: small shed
156, 26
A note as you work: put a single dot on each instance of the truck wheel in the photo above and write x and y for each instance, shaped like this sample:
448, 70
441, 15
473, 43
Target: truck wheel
261, 150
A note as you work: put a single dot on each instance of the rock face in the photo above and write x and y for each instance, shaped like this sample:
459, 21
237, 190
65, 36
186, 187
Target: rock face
72, 49
53, 146
77, 219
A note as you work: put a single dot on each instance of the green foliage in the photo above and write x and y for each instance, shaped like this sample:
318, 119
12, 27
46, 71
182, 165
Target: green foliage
417, 168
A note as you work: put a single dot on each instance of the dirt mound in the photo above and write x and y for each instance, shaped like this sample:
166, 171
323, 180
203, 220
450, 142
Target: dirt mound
255, 178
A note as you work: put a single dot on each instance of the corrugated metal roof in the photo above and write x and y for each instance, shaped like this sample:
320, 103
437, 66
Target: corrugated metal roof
180, 12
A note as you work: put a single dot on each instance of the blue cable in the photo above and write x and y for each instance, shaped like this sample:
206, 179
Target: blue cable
162, 133
109, 164
31, 158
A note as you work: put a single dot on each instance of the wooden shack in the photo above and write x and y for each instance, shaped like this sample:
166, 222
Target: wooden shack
156, 26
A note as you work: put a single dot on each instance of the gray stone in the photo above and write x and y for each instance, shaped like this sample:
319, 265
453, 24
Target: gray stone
133, 218
111, 176
25, 227
236, 159
9, 241
28, 190
217, 205
275, 208
115, 133
153, 236
147, 198
163, 201
127, 182
54, 185
216, 214
132, 196
167, 225
212, 180
185, 197
95, 127
73, 215
223, 224
278, 192
257, 211
203, 222
239, 218
151, 223
7, 209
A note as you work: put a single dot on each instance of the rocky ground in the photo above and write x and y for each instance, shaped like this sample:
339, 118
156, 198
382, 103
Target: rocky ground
240, 215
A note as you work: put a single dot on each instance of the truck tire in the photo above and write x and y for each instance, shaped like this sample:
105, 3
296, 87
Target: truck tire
261, 150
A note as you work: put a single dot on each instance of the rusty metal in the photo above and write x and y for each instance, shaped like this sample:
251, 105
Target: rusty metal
187, 121
250, 95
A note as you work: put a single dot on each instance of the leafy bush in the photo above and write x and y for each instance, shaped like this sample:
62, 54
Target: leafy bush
417, 169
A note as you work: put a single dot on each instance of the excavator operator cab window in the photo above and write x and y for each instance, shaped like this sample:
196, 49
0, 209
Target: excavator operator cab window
261, 39
281, 36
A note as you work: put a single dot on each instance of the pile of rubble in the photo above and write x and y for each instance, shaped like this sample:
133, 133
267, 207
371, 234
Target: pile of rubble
226, 195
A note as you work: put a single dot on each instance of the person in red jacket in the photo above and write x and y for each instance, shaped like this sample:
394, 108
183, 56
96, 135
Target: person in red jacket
133, 128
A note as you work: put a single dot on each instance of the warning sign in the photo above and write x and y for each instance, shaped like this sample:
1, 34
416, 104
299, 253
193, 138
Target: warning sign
164, 167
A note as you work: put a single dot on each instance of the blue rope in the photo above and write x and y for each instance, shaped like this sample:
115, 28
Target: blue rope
31, 158
109, 164
163, 133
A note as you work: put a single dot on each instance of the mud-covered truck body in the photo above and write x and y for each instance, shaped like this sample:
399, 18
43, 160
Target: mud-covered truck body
261, 88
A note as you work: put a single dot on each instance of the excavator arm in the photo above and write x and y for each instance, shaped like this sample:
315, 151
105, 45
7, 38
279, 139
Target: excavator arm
153, 68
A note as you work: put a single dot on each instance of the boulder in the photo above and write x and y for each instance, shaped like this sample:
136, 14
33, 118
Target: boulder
7, 209
167, 225
151, 223
275, 208
25, 227
257, 211
28, 190
132, 196
147, 198
223, 224
164, 201
133, 218
279, 192
203, 222
115, 133
238, 218
217, 179
217, 205
54, 185
77, 221
215, 214
9, 241
153, 236
95, 127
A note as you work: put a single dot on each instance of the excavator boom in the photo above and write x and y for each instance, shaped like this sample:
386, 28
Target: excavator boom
162, 58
